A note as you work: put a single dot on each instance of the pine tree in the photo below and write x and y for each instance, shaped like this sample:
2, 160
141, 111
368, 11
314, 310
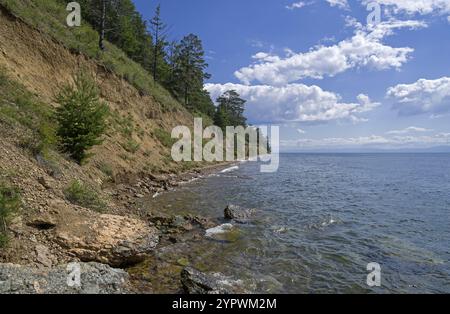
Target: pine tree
189, 69
232, 107
159, 29
81, 117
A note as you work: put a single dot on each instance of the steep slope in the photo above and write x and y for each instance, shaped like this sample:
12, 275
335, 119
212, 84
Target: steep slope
33, 68
138, 122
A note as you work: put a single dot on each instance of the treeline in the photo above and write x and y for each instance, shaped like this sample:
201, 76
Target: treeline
179, 66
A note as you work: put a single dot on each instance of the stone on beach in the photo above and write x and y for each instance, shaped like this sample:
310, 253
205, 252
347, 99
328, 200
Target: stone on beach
238, 213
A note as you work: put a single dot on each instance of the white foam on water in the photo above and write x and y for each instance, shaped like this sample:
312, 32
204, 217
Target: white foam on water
230, 169
219, 229
156, 195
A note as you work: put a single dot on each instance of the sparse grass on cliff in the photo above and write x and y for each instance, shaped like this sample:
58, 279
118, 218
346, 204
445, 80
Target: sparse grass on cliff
80, 194
164, 137
18, 106
9, 204
50, 16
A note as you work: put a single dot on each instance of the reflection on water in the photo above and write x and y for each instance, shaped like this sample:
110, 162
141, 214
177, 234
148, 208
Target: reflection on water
322, 219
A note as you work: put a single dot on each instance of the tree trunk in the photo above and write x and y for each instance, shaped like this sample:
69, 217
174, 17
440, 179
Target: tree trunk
102, 26
155, 57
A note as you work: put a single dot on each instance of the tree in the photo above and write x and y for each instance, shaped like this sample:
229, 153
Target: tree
189, 69
81, 117
230, 109
159, 36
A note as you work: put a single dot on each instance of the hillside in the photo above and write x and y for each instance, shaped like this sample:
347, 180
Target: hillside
38, 55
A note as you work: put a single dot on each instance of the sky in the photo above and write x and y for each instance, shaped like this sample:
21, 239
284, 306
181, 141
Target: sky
328, 72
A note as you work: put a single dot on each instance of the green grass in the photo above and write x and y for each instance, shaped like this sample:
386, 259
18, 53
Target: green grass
131, 146
80, 194
18, 106
164, 137
9, 204
49, 16
106, 169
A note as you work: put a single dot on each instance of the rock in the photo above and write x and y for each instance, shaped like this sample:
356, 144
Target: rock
114, 240
43, 222
196, 282
42, 255
139, 195
44, 183
94, 279
238, 213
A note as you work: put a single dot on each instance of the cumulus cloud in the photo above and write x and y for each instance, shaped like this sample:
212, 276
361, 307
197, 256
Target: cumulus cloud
343, 4
364, 49
423, 96
294, 103
411, 129
411, 7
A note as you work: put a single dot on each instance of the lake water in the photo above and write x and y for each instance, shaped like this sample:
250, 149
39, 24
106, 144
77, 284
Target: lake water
323, 217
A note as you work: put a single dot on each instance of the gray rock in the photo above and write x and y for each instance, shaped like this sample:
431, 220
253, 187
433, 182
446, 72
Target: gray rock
94, 279
238, 213
196, 282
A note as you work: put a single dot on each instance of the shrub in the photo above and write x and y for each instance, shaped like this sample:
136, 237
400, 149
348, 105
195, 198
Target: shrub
79, 194
81, 117
9, 204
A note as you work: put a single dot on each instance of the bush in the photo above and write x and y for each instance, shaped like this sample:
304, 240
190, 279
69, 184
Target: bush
79, 194
9, 204
81, 117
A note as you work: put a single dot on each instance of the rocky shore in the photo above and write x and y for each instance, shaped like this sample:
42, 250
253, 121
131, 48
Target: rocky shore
106, 244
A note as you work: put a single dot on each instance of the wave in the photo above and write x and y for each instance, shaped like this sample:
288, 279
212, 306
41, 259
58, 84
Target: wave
233, 168
219, 229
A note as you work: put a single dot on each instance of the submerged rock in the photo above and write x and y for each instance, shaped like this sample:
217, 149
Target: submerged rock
196, 282
94, 279
238, 213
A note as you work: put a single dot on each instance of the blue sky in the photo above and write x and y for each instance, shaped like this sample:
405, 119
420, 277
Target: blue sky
319, 71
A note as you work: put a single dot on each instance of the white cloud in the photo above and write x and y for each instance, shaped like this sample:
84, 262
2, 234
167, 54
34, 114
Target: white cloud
296, 5
411, 129
300, 131
343, 4
411, 7
364, 49
372, 141
448, 18
423, 96
294, 103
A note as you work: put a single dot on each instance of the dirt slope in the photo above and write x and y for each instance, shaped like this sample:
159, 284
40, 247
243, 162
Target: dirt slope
131, 150
44, 65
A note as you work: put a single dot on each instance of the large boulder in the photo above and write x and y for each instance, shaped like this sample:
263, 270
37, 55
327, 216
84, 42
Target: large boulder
238, 213
196, 282
114, 240
94, 278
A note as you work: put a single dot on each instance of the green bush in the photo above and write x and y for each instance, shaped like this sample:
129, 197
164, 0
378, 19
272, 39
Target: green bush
79, 194
9, 204
81, 117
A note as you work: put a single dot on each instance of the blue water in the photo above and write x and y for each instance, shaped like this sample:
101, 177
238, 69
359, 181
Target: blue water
323, 217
